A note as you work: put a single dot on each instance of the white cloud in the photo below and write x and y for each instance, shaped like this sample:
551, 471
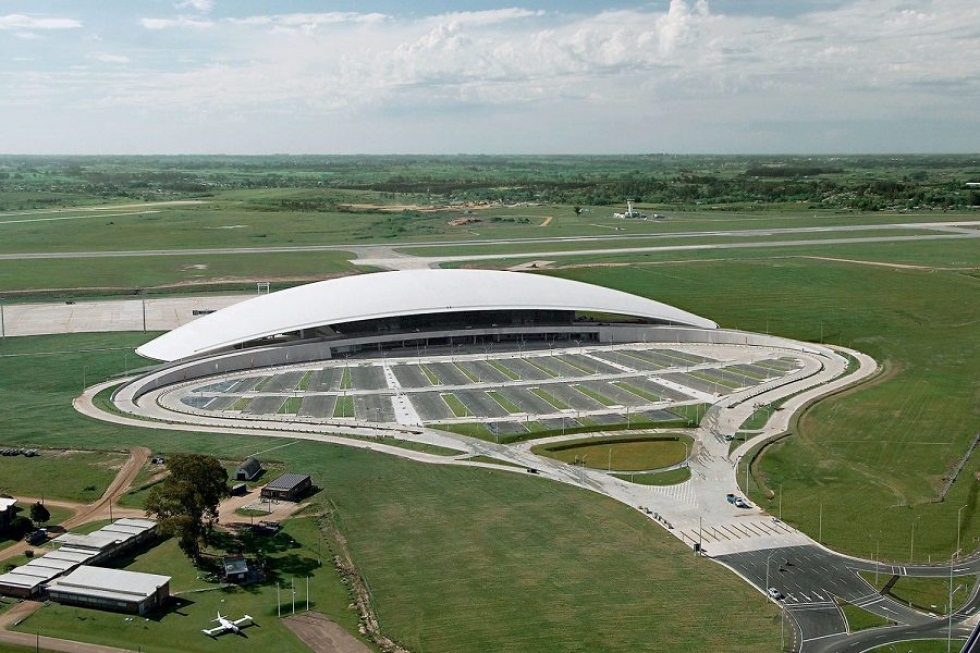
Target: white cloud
23, 21
672, 73
200, 6
180, 21
105, 57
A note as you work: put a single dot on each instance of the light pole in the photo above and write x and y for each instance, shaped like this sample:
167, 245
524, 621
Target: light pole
912, 541
820, 527
949, 628
958, 513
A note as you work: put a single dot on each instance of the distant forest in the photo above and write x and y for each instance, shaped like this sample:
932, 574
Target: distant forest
865, 183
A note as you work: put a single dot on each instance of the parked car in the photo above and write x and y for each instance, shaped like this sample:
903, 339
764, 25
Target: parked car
731, 498
741, 503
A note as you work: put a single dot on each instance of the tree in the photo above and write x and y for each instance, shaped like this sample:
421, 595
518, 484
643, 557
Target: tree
39, 514
186, 502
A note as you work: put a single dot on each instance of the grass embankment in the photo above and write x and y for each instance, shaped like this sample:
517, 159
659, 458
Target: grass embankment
669, 477
890, 443
859, 619
926, 594
632, 453
434, 571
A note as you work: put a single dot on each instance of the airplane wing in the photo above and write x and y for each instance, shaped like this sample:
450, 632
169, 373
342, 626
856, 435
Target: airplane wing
214, 632
244, 621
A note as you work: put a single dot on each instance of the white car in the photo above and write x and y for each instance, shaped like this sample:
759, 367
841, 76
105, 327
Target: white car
774, 594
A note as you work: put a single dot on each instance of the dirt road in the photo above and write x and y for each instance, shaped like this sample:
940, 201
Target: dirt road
96, 510
322, 635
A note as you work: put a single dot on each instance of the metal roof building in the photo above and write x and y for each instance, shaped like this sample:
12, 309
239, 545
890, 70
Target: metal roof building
111, 589
75, 549
288, 487
408, 300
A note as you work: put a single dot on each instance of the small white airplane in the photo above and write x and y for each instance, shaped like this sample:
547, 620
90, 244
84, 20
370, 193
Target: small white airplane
226, 625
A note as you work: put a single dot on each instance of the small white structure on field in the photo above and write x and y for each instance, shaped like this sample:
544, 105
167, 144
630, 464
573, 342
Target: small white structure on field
631, 213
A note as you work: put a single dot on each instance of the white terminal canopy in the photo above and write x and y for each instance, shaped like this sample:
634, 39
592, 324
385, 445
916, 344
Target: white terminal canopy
401, 293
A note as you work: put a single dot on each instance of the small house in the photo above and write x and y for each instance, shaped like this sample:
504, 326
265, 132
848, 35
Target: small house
236, 569
288, 487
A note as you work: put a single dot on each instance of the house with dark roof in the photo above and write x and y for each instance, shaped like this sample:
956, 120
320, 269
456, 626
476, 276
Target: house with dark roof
288, 487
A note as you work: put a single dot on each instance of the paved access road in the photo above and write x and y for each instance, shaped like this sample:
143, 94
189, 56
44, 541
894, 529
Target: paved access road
811, 578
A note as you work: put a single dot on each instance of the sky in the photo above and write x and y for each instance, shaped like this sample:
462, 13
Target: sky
489, 76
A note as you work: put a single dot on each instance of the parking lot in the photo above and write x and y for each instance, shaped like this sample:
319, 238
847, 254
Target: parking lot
507, 390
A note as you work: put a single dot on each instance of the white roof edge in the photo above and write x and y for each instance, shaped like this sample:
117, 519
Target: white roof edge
395, 294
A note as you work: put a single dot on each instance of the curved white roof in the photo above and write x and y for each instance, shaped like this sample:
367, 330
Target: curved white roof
392, 294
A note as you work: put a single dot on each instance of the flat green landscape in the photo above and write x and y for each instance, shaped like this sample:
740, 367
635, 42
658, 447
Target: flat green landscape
81, 475
474, 560
624, 454
891, 443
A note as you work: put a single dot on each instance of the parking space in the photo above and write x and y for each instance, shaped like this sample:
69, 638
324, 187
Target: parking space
625, 358
411, 376
480, 404
545, 382
374, 408
431, 407
367, 377
618, 395
660, 415
268, 405
317, 406
526, 400
326, 379
524, 370
483, 372
559, 423
783, 364
572, 397
285, 382
689, 381
557, 367
448, 373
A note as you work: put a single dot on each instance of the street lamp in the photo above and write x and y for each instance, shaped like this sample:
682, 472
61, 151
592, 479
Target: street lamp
949, 628
958, 513
912, 541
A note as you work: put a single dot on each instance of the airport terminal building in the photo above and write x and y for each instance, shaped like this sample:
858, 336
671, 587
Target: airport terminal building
419, 307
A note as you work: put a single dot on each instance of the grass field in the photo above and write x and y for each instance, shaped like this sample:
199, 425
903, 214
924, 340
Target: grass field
61, 474
957, 254
474, 560
890, 443
228, 272
623, 454
927, 594
435, 572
